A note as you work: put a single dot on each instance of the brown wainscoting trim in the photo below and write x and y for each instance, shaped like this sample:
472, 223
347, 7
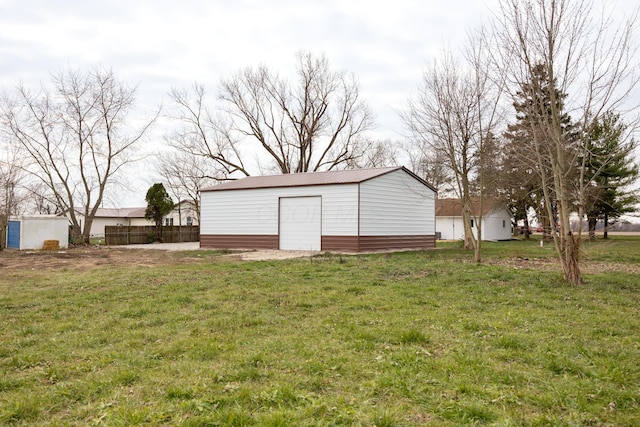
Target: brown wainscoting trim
329, 243
379, 243
239, 241
340, 243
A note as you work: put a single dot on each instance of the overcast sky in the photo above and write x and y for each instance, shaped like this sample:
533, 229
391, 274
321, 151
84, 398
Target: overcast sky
160, 44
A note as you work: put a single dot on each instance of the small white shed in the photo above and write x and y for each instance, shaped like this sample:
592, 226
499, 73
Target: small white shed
30, 232
496, 220
356, 210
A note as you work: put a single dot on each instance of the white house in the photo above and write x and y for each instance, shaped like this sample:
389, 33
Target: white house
113, 216
184, 213
356, 210
496, 220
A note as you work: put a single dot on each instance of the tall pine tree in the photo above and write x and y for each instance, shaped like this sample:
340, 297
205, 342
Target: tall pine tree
521, 169
610, 169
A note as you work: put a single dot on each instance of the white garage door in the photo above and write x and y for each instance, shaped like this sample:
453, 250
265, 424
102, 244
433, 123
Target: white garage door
300, 223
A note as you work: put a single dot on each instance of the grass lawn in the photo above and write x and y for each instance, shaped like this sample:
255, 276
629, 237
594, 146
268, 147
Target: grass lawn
401, 339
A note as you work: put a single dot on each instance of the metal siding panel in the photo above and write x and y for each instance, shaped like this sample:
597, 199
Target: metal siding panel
248, 212
340, 243
254, 212
300, 223
396, 204
339, 206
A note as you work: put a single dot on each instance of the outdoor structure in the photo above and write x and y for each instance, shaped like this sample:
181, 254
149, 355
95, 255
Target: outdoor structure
113, 217
496, 220
354, 211
30, 232
184, 213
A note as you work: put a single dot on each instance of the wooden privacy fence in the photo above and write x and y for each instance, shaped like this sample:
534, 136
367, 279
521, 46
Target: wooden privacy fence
137, 234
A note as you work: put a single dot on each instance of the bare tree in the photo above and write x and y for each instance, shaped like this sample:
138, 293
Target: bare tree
185, 174
317, 122
202, 132
429, 165
374, 154
454, 114
75, 138
39, 199
592, 60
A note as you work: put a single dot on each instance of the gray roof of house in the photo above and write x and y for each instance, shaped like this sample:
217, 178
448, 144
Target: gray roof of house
135, 212
309, 178
117, 212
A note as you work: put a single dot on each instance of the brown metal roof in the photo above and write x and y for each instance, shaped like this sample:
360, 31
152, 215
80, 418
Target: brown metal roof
308, 178
453, 207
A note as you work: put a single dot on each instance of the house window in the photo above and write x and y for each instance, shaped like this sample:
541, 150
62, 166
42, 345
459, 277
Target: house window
189, 220
472, 223
168, 222
504, 223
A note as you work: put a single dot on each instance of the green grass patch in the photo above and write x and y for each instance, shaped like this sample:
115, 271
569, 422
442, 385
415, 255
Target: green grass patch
402, 339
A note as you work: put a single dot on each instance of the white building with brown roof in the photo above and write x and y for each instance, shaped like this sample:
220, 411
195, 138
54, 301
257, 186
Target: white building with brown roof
356, 210
496, 220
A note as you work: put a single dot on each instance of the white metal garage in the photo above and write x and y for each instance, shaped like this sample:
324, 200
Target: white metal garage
356, 210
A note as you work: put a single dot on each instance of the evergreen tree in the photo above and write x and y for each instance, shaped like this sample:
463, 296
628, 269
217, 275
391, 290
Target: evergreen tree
610, 169
521, 168
159, 204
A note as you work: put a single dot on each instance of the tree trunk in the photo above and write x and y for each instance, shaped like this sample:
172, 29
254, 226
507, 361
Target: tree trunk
527, 234
86, 232
159, 231
592, 221
547, 233
606, 226
478, 249
570, 260
468, 229
76, 234
468, 243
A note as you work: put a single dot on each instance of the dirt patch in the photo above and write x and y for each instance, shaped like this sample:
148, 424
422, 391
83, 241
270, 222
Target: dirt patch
266, 254
82, 258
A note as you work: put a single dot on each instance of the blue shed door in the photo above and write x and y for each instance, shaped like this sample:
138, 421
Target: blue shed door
13, 235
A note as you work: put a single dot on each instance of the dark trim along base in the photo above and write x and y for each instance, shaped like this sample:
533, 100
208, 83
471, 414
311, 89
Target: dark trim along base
329, 243
380, 243
239, 241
